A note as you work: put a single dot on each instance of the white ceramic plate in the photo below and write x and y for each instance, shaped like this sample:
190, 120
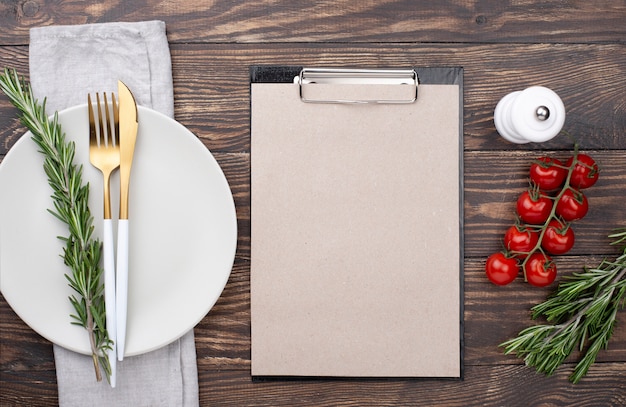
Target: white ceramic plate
183, 234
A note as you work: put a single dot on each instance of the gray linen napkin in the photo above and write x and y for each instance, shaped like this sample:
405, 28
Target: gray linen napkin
67, 62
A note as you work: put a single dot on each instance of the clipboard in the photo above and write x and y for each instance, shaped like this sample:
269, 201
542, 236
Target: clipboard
356, 222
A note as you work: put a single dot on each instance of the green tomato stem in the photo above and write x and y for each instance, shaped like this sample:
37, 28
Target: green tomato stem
557, 198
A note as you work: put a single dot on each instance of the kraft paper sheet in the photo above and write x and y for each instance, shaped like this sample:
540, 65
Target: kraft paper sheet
355, 263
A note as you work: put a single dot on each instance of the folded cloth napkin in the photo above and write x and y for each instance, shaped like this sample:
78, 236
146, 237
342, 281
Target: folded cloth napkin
66, 63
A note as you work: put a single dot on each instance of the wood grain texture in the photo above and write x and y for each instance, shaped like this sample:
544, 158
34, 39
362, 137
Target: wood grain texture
492, 384
406, 21
212, 92
491, 193
576, 48
490, 72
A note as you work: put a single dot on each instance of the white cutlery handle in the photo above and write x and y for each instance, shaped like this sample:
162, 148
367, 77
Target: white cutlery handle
122, 285
109, 294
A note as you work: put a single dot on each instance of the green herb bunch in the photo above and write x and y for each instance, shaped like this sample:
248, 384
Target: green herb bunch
70, 197
581, 313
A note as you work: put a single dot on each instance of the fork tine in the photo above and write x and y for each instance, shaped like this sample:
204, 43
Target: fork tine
100, 121
116, 120
109, 135
92, 123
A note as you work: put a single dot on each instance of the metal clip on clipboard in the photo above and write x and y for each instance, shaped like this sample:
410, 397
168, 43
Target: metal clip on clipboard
358, 86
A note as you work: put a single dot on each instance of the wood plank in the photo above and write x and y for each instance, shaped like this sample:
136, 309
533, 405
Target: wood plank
491, 192
215, 104
495, 314
596, 106
483, 385
27, 372
224, 21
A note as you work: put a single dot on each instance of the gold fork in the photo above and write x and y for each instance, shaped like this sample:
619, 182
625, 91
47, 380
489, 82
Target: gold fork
104, 154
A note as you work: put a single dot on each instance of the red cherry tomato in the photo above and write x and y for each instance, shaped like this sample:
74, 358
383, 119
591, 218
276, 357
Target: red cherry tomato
534, 209
500, 269
520, 240
585, 172
572, 205
548, 173
558, 238
540, 270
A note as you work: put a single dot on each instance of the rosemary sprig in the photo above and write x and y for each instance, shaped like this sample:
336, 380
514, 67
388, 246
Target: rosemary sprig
581, 314
70, 198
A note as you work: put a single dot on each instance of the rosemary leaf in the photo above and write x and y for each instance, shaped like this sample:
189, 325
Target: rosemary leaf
70, 198
581, 313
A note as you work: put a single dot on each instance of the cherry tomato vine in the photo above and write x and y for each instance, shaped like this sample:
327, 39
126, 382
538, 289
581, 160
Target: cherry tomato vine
545, 212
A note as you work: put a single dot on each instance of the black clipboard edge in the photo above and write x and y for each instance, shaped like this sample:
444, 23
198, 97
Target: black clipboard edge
286, 74
442, 75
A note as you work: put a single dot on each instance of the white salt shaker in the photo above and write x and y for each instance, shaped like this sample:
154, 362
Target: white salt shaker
535, 114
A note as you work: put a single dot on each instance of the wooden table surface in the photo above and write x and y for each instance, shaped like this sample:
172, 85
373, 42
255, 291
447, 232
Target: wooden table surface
577, 48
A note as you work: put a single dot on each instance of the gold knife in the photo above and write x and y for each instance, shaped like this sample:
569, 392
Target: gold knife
128, 137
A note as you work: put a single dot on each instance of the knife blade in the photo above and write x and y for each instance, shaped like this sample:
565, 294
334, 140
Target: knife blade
128, 137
